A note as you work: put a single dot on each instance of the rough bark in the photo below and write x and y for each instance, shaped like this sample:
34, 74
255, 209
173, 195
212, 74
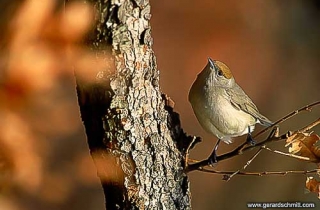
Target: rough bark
133, 135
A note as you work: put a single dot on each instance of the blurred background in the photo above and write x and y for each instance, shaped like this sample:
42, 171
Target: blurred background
272, 47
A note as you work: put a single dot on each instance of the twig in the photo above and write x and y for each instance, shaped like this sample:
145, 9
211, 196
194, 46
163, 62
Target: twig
309, 127
188, 149
308, 107
281, 120
272, 137
265, 173
237, 151
228, 177
286, 154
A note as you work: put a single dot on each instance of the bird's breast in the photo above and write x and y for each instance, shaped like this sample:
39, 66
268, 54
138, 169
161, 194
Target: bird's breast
218, 116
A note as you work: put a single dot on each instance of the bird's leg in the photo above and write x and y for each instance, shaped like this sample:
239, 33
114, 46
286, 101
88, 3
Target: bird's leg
213, 157
250, 140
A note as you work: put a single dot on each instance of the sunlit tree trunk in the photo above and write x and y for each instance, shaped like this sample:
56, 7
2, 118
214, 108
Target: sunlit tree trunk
132, 132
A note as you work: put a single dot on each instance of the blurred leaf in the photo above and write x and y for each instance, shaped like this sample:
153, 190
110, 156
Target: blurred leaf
305, 144
313, 185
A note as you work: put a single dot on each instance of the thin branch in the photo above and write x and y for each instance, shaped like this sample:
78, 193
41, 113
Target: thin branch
228, 177
286, 154
272, 137
188, 149
309, 127
237, 151
308, 107
265, 173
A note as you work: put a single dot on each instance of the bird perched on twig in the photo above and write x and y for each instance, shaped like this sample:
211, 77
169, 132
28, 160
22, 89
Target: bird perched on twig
222, 107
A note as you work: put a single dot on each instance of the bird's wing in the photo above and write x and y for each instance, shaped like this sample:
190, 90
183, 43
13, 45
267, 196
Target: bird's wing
241, 101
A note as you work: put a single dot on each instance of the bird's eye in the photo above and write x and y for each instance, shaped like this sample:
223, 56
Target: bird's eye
220, 73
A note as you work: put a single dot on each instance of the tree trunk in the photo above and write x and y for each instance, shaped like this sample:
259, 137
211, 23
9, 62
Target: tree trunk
134, 137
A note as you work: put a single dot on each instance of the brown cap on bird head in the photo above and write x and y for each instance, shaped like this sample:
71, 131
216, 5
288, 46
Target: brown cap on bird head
219, 66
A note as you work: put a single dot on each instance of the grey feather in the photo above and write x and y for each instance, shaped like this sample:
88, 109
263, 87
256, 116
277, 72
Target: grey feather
241, 101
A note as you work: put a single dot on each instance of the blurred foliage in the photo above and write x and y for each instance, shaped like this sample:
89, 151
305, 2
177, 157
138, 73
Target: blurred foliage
43, 151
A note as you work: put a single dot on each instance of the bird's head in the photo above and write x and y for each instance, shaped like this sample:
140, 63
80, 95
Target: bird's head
219, 74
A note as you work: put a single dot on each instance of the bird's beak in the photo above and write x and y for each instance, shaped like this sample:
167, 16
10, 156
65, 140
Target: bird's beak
211, 62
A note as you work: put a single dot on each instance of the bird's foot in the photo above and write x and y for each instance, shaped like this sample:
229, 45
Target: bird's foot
213, 157
250, 140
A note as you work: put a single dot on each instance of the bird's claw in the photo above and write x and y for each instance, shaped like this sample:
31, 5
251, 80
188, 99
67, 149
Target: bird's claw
250, 140
213, 158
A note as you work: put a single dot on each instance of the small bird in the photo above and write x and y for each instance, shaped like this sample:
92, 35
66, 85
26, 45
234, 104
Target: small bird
222, 107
